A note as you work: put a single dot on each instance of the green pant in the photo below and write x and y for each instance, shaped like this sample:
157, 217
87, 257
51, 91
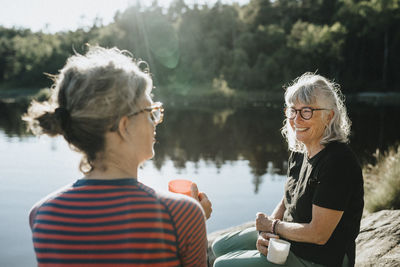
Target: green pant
238, 249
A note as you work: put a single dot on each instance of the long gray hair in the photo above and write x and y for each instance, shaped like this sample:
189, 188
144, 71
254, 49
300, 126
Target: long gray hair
311, 88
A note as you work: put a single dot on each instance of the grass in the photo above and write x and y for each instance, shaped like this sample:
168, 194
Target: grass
382, 181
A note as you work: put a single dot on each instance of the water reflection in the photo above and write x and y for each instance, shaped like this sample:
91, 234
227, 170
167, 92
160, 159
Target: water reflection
10, 119
239, 155
224, 135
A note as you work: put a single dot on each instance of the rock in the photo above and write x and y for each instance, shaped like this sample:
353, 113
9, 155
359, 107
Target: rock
378, 243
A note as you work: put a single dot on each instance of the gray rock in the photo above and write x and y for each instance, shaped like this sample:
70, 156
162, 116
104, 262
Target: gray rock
378, 243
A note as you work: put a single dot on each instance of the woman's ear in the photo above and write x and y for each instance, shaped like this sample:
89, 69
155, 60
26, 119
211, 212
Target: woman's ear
123, 127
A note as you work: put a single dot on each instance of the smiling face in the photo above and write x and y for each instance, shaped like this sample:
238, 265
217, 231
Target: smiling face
309, 132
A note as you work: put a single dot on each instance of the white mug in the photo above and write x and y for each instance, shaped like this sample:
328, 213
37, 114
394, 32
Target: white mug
278, 250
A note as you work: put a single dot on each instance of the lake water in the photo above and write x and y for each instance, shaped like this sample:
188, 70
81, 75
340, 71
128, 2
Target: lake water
236, 155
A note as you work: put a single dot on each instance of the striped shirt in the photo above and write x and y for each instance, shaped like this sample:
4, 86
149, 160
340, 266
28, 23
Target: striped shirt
118, 223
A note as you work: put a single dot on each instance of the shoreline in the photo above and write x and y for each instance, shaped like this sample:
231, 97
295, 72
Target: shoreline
238, 99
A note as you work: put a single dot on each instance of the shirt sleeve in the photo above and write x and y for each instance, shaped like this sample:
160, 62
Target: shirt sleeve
34, 210
336, 181
191, 231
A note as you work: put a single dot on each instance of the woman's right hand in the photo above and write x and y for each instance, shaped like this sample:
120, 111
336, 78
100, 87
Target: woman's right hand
203, 200
263, 242
263, 222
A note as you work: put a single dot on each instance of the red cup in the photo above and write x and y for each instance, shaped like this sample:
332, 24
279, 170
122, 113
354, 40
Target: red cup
180, 186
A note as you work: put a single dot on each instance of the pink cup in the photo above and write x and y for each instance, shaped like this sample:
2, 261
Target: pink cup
180, 186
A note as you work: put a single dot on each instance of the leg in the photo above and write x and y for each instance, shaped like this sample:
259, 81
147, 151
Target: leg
253, 258
241, 258
238, 249
238, 240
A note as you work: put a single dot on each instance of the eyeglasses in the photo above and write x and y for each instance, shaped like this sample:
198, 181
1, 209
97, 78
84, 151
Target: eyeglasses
306, 112
156, 112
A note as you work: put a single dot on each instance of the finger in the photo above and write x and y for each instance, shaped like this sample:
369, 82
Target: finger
208, 213
262, 249
263, 242
260, 221
207, 207
202, 196
260, 215
194, 191
206, 203
259, 226
268, 235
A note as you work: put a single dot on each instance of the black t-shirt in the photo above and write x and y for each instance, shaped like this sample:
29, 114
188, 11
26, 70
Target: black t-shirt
331, 179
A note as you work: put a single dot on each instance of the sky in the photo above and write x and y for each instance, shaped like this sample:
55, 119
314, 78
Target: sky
61, 15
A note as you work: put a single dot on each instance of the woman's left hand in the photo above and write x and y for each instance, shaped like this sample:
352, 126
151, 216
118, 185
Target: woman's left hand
203, 200
263, 242
263, 223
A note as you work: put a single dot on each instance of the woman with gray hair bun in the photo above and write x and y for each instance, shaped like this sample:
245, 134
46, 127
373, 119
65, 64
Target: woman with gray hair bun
322, 205
101, 105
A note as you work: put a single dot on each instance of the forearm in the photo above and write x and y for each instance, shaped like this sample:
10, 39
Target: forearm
279, 210
318, 231
300, 232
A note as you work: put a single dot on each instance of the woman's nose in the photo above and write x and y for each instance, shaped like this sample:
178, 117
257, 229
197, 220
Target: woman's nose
298, 116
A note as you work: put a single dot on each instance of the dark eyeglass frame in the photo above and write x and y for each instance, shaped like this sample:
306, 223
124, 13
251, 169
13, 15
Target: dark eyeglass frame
157, 106
301, 110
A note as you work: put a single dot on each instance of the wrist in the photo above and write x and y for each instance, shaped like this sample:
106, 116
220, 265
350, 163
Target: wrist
274, 226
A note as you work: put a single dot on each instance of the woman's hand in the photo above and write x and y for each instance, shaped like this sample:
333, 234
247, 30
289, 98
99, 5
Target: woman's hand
263, 223
203, 200
263, 242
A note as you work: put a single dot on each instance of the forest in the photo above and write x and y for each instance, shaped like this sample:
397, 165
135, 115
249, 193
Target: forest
260, 46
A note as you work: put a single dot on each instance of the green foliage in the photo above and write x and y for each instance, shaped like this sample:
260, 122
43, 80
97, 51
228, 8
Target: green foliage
256, 47
382, 181
317, 40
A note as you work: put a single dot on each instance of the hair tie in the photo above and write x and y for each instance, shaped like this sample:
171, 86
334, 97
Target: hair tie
64, 116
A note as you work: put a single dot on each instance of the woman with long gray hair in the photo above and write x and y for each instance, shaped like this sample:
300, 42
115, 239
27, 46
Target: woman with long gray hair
322, 205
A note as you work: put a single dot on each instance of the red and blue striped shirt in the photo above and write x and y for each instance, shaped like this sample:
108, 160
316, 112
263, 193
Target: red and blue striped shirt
118, 223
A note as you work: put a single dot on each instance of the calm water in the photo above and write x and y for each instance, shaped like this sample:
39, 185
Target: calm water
237, 156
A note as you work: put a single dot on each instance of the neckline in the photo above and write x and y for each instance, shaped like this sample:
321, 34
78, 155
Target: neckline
316, 155
115, 182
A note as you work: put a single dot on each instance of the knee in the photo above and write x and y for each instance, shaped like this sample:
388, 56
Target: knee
232, 241
226, 260
219, 262
218, 247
